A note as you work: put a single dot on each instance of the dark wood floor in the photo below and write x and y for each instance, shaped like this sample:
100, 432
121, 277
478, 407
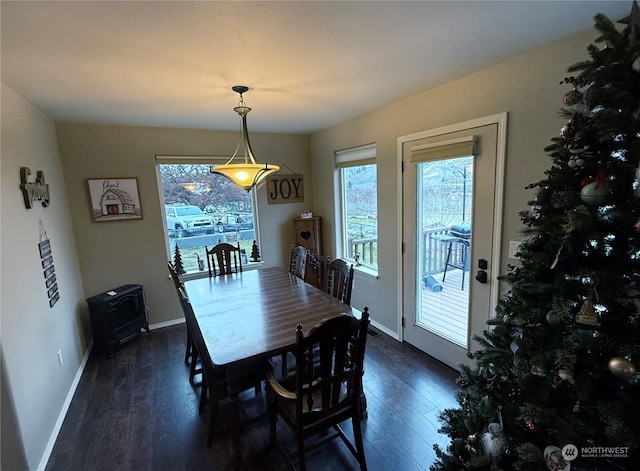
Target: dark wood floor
138, 412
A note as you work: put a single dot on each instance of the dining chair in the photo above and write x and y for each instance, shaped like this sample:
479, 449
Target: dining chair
314, 270
322, 394
190, 355
214, 384
223, 259
338, 280
194, 356
297, 260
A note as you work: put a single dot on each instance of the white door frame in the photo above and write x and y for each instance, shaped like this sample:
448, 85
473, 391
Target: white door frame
501, 120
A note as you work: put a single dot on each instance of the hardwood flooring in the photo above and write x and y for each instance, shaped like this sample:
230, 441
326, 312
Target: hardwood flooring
137, 411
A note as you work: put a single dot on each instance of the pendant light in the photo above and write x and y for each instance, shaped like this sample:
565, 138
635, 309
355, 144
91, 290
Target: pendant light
248, 173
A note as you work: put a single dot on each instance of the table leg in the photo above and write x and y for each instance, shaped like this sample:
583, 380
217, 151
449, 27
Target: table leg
233, 390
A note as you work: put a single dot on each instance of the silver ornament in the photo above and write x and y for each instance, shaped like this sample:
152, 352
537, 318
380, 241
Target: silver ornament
636, 65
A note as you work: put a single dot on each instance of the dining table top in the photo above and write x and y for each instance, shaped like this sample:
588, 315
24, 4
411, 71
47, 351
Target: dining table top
254, 314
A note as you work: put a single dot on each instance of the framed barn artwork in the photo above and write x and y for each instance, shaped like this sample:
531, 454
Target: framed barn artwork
114, 199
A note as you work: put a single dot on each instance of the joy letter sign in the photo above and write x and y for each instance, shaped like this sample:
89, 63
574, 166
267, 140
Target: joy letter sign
284, 189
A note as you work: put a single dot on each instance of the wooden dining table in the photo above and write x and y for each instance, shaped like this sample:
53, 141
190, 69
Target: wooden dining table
247, 318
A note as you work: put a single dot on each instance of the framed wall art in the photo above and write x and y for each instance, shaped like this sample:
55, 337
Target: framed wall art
114, 199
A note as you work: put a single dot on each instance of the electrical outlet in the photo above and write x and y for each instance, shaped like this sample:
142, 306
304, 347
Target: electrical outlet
514, 245
60, 357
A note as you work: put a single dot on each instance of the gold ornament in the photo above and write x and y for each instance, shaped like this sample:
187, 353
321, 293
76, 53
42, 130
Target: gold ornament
622, 367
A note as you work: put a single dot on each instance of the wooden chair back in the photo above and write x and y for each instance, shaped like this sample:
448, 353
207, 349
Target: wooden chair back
223, 259
298, 260
338, 280
327, 386
314, 271
174, 276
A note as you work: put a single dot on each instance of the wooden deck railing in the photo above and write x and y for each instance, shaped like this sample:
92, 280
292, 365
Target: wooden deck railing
367, 248
433, 257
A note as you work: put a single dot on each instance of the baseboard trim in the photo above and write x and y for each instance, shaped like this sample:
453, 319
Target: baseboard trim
65, 408
382, 328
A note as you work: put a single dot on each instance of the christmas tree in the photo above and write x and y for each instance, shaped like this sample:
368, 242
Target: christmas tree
177, 261
255, 252
555, 382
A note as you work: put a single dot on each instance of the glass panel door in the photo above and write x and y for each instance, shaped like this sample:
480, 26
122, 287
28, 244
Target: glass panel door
445, 199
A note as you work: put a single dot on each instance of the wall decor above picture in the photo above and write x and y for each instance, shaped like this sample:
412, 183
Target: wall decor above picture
114, 199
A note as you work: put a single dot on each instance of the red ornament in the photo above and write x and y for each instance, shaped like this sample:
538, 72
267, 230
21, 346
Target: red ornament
534, 427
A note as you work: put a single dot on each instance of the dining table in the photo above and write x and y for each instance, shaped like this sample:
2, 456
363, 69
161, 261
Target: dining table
249, 317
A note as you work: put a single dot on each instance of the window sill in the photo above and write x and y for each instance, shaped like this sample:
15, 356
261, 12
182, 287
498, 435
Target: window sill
366, 271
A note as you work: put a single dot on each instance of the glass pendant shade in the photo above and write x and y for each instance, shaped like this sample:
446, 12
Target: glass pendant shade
248, 173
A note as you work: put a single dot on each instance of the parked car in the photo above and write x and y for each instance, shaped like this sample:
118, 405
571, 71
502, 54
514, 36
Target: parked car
186, 220
233, 222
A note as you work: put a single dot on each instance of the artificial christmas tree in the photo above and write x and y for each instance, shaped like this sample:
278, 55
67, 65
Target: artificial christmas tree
555, 384
255, 252
177, 261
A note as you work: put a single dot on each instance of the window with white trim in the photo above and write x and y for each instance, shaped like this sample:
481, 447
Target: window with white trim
359, 205
202, 209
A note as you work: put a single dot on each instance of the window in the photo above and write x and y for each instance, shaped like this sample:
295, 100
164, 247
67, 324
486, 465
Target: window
359, 207
202, 209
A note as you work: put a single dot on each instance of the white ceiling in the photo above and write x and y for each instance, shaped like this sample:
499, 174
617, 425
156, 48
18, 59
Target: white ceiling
309, 64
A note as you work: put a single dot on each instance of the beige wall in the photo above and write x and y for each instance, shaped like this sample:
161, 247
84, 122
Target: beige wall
119, 252
34, 385
526, 87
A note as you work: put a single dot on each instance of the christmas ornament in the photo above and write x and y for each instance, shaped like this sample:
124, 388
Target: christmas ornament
553, 318
622, 367
636, 65
587, 314
595, 193
566, 373
472, 444
575, 161
534, 427
554, 459
494, 441
572, 97
538, 371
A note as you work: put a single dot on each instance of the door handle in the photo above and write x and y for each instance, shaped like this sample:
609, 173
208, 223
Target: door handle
481, 276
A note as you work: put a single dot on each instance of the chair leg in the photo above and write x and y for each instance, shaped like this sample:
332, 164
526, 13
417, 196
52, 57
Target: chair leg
273, 419
302, 465
446, 263
213, 399
189, 350
204, 387
357, 433
285, 369
194, 370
